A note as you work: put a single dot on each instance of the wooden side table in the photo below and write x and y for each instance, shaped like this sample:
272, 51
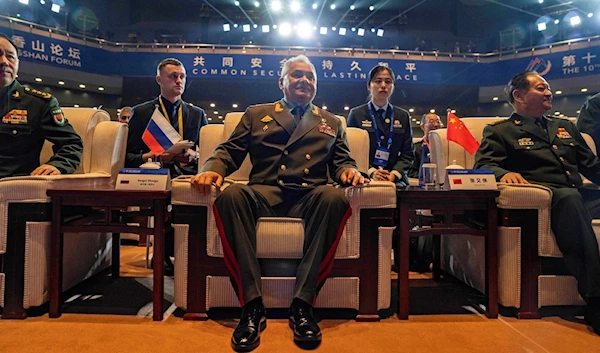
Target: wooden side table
108, 215
449, 204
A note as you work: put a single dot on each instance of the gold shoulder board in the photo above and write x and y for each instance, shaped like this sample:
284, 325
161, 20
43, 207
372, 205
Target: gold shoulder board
39, 94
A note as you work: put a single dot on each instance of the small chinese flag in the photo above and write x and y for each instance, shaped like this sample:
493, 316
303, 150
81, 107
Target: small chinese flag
458, 132
457, 181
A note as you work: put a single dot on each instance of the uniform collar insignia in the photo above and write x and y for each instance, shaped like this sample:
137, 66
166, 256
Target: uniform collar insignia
16, 95
315, 110
266, 119
278, 107
518, 122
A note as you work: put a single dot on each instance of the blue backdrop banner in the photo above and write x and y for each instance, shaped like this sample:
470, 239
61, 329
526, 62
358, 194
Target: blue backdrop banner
51, 51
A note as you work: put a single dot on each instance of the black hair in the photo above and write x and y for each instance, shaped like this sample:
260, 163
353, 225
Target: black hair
376, 70
11, 42
520, 81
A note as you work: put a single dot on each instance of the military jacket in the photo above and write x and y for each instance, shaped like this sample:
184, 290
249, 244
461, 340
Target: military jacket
402, 152
554, 159
284, 157
588, 120
29, 117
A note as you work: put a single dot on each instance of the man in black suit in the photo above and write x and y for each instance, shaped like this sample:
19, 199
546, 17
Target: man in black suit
532, 148
294, 147
184, 117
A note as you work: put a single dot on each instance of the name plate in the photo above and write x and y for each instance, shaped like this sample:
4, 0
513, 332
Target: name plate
470, 179
143, 179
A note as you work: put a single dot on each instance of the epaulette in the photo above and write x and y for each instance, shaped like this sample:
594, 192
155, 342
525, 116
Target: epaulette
498, 122
560, 118
39, 94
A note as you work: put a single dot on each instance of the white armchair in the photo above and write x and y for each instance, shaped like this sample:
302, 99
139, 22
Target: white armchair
360, 278
526, 244
25, 215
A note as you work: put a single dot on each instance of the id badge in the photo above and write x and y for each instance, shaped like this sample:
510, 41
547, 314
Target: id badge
381, 157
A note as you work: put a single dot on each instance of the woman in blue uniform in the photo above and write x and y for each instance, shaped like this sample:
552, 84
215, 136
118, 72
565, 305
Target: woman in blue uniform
391, 151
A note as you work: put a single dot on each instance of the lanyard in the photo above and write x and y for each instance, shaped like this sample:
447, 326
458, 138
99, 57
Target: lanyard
179, 115
377, 132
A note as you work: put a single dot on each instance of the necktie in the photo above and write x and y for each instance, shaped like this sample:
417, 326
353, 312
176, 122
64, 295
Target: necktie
541, 123
425, 154
380, 113
297, 112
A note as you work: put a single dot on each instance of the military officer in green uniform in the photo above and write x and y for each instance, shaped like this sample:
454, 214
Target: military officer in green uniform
532, 148
294, 146
29, 117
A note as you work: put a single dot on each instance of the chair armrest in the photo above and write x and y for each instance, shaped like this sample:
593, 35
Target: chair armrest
524, 196
182, 193
32, 189
108, 148
376, 194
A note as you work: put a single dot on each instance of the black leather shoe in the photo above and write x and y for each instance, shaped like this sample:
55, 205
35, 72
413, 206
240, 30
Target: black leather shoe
168, 265
592, 318
303, 324
246, 336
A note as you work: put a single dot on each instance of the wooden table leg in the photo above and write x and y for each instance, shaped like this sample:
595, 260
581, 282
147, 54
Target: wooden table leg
437, 251
158, 253
116, 255
56, 259
403, 244
491, 263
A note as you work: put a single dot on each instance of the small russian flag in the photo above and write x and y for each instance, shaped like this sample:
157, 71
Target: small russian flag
159, 135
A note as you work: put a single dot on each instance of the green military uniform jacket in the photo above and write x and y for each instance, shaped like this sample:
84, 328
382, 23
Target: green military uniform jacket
285, 156
554, 159
29, 117
588, 120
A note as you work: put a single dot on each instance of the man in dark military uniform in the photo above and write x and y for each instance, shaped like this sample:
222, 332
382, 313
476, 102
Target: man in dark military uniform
588, 120
531, 148
29, 117
292, 145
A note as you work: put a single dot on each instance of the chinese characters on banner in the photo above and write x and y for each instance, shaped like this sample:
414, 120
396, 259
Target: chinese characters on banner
244, 65
47, 50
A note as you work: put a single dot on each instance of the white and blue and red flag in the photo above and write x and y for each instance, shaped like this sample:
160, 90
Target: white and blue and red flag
159, 135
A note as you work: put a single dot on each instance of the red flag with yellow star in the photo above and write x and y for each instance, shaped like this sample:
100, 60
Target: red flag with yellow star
458, 132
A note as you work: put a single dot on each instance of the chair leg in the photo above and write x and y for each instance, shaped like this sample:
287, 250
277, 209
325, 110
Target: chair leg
149, 240
148, 243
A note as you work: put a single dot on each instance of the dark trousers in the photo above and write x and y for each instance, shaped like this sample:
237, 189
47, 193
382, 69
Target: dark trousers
572, 214
324, 210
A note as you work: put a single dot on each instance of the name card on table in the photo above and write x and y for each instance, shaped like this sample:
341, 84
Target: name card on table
143, 179
470, 179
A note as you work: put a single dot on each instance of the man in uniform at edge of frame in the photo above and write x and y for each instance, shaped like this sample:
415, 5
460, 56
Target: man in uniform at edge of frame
529, 148
29, 117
